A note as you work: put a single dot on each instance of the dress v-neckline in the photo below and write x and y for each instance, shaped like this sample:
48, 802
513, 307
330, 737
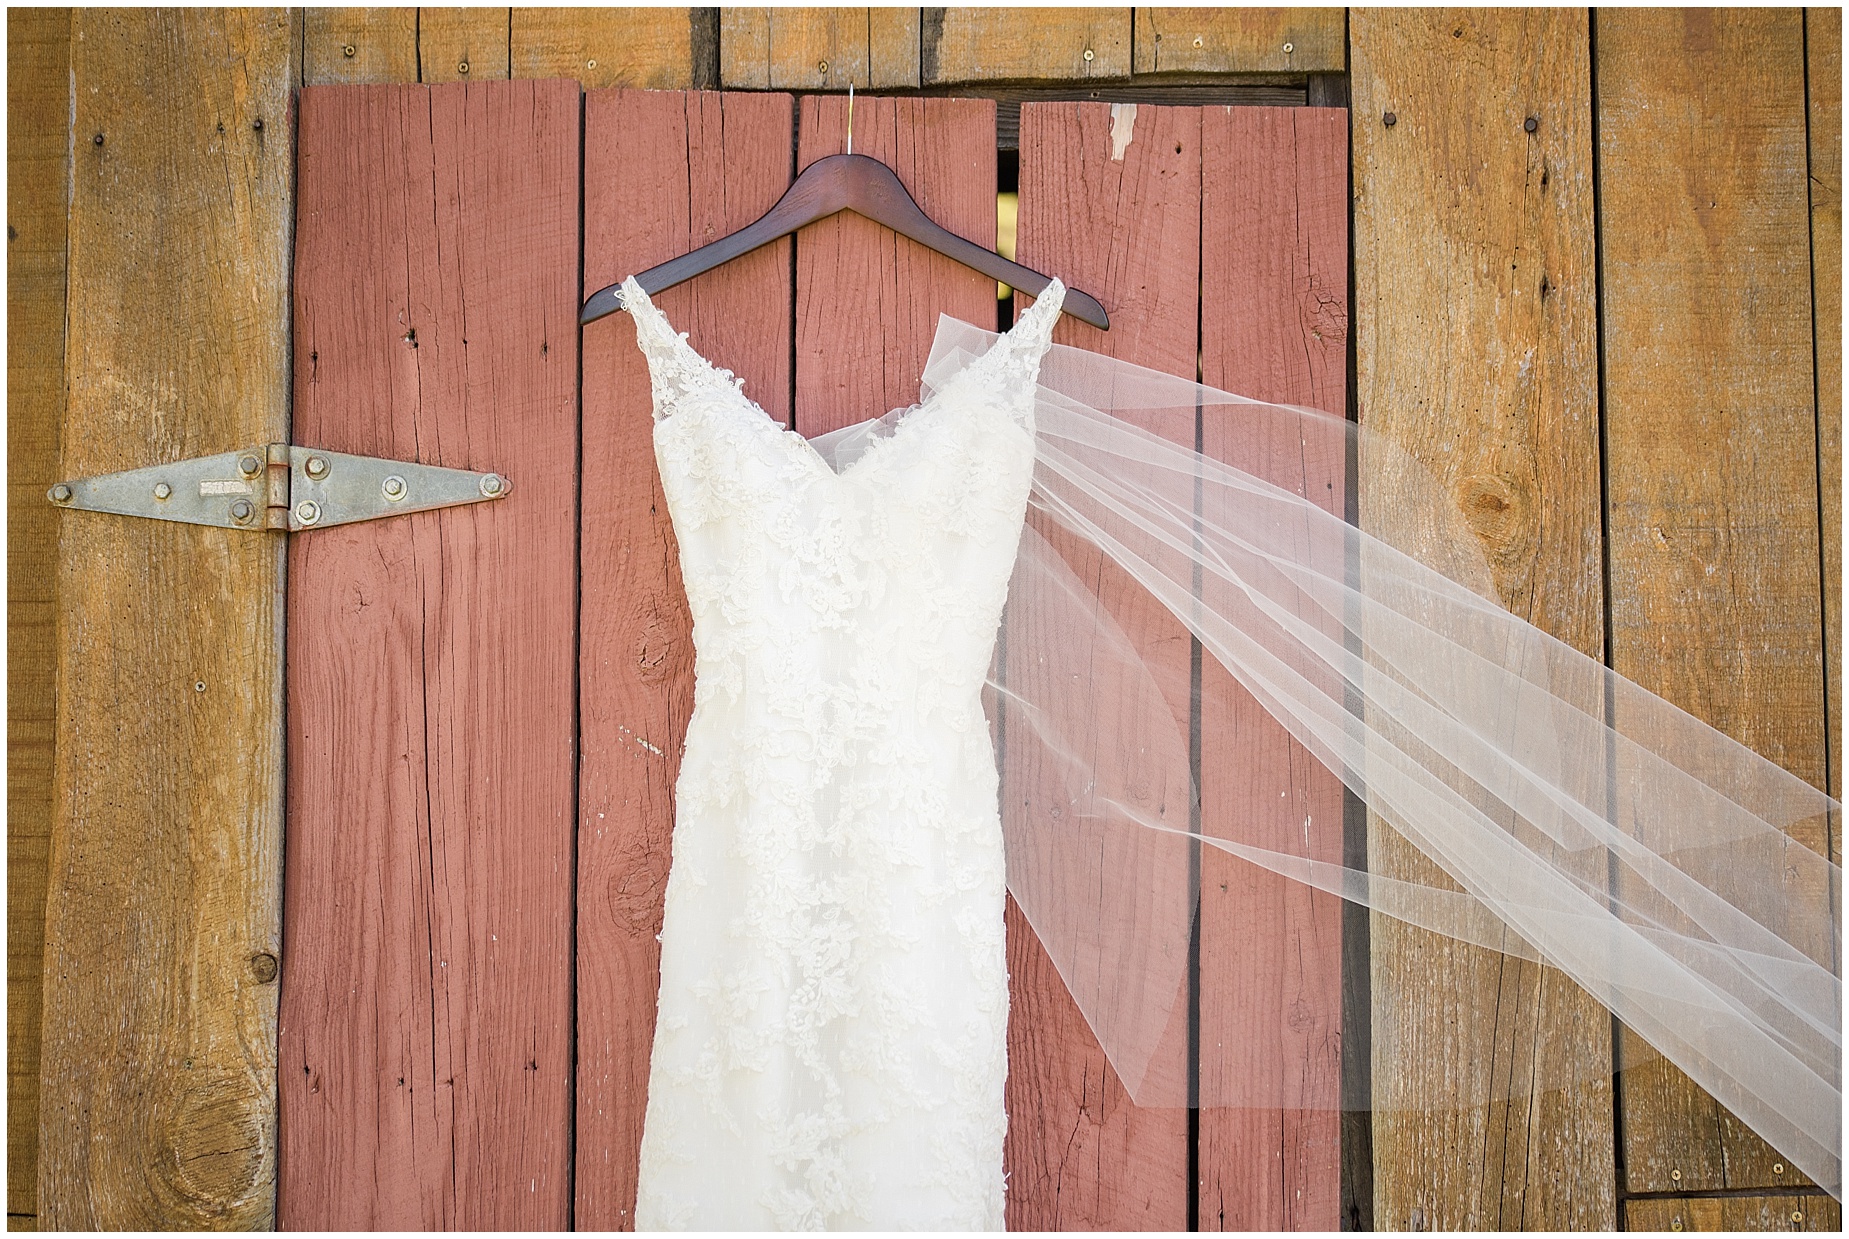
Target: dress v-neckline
637, 302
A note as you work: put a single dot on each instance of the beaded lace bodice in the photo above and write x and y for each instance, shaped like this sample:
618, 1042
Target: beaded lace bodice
830, 1039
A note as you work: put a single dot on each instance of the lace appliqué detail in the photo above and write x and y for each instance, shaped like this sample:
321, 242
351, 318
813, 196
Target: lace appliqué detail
830, 1047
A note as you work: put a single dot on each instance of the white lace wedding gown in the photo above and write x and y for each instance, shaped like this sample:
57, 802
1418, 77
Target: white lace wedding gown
830, 1043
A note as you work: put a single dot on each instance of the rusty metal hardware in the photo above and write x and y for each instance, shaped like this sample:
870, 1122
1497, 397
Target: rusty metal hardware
278, 486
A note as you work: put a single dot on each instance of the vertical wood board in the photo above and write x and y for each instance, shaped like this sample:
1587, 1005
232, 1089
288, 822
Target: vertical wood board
1711, 442
1476, 362
462, 45
865, 293
664, 173
1274, 326
818, 49
1823, 49
163, 893
1016, 44
426, 1031
38, 199
351, 46
1121, 220
1241, 40
653, 48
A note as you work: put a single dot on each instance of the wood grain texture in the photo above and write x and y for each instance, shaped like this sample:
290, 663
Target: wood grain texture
1000, 44
818, 49
1127, 230
1274, 326
38, 197
1475, 302
647, 47
1789, 1213
462, 45
427, 1017
350, 46
1823, 50
1223, 40
1711, 441
664, 173
862, 291
162, 921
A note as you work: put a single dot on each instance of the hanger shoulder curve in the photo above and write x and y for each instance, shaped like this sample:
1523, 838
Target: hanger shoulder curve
836, 183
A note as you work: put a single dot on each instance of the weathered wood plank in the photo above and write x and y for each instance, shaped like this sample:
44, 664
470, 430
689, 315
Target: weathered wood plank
349, 46
462, 45
1223, 40
863, 292
1110, 202
664, 173
162, 920
1795, 1213
997, 44
426, 1032
1711, 441
1823, 50
653, 48
38, 195
1274, 326
818, 49
1475, 296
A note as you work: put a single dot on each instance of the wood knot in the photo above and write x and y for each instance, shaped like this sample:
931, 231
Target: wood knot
213, 1156
263, 967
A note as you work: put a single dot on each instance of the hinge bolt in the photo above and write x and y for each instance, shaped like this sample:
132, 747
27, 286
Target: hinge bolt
163, 491
248, 465
60, 493
493, 484
308, 511
241, 510
317, 467
393, 487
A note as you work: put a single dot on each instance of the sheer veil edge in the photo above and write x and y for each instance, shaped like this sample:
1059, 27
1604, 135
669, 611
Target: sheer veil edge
1519, 795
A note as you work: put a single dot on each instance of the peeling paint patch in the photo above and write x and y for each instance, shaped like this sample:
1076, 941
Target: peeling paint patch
1123, 124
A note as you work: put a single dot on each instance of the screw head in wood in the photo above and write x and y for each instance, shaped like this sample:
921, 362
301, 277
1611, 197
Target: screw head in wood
308, 511
462, 67
241, 510
1797, 1217
393, 487
1675, 1223
163, 491
1289, 48
317, 467
347, 51
590, 64
1531, 124
821, 66
198, 686
1778, 1167
493, 484
1090, 56
1389, 119
1676, 1175
61, 493
248, 464
1199, 42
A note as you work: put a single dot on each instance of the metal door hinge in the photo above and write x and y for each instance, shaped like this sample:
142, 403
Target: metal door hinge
278, 486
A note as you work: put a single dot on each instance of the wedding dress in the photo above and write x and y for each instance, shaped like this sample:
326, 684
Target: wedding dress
830, 1042
830, 1045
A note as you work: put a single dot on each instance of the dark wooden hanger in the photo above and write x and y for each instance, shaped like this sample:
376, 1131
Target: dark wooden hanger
844, 183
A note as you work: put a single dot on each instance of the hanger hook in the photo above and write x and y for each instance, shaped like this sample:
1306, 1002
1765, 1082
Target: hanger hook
850, 118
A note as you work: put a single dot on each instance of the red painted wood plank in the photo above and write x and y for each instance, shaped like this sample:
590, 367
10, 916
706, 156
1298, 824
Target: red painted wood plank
1121, 219
867, 299
426, 1004
665, 172
1274, 326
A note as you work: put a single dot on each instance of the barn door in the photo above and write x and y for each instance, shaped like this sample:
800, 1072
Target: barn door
486, 705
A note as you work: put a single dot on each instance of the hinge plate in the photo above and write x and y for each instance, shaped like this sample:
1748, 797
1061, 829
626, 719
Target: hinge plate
279, 486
